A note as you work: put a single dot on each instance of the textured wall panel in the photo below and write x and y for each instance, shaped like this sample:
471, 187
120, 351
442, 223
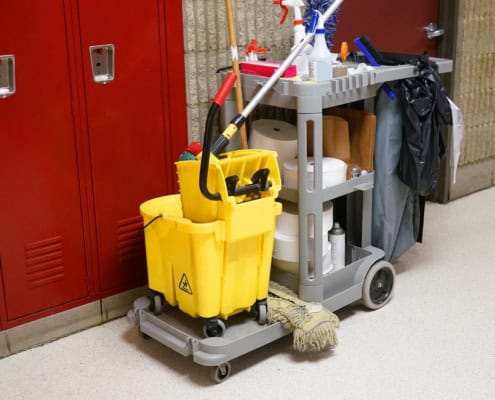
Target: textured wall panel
207, 46
475, 83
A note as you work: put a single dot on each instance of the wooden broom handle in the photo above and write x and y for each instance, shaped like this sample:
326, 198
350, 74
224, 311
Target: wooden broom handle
235, 66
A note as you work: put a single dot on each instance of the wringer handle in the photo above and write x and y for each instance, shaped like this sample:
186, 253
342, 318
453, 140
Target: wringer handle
219, 99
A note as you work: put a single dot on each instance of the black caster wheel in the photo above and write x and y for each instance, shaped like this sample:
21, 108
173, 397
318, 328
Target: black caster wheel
378, 285
260, 311
214, 327
221, 372
157, 302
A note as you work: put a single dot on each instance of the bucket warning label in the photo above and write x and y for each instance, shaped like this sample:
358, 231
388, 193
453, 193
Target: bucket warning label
184, 284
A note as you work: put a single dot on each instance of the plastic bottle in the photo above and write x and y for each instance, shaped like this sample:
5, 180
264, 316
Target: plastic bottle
337, 241
320, 58
301, 62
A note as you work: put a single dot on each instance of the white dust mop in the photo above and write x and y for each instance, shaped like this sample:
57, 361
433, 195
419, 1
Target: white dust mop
313, 326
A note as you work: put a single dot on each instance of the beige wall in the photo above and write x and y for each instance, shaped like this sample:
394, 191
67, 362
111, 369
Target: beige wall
207, 46
474, 86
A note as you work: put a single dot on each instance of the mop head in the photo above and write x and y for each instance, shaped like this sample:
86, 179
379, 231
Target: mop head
313, 326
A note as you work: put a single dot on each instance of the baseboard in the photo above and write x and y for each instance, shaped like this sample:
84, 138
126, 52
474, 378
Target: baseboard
62, 324
473, 177
116, 306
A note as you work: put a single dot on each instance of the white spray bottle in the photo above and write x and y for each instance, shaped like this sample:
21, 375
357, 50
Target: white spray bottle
320, 59
301, 62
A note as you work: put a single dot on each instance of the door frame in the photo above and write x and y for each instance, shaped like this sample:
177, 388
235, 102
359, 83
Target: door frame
448, 20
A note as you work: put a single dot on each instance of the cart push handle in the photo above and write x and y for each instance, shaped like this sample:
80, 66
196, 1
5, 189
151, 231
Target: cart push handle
239, 119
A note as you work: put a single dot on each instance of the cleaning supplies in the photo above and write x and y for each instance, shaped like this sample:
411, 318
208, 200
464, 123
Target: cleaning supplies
314, 327
330, 23
320, 58
252, 50
301, 61
337, 241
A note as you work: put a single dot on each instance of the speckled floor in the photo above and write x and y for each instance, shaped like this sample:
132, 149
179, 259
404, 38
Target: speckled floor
435, 340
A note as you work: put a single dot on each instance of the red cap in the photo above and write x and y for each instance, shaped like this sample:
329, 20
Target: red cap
194, 148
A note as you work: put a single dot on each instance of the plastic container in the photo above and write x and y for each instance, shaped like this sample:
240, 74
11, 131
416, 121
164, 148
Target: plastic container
210, 269
337, 240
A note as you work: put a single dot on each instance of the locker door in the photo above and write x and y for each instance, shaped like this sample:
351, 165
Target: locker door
41, 240
127, 131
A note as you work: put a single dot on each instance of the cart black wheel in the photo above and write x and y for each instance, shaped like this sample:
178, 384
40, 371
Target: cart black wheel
261, 311
156, 305
378, 285
221, 372
214, 327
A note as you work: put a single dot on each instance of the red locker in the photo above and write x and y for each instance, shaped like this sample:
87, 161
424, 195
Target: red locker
42, 256
77, 157
126, 122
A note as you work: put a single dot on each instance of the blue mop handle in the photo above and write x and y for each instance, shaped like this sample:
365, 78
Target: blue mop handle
372, 61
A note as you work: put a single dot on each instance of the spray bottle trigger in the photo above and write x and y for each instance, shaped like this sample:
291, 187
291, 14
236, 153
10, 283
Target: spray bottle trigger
285, 11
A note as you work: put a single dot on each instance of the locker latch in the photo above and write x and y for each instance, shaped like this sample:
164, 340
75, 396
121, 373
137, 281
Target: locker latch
102, 63
7, 75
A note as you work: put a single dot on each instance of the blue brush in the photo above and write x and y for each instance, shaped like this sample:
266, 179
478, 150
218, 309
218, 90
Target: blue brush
330, 24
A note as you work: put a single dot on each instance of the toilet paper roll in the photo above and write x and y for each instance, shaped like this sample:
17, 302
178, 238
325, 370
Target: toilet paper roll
292, 266
334, 172
286, 247
279, 136
288, 222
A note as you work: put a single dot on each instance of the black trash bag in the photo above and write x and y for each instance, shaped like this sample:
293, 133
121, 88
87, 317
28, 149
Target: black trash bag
425, 108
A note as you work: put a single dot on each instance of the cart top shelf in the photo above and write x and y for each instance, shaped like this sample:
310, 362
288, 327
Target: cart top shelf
335, 92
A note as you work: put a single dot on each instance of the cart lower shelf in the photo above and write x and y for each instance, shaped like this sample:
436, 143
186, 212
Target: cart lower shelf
243, 333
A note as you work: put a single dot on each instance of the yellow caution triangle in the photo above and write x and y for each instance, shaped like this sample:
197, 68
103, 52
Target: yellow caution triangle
184, 284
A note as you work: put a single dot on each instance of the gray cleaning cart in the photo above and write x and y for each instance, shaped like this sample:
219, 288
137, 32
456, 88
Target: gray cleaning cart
365, 277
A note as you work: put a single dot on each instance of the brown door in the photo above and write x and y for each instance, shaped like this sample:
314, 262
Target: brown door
391, 25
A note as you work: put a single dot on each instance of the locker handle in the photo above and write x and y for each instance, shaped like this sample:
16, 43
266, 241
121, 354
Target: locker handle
102, 63
7, 75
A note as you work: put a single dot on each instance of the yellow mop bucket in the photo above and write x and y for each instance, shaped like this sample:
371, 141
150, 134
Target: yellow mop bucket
209, 269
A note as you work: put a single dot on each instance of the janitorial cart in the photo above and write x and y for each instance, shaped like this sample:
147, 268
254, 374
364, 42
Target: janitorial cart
209, 248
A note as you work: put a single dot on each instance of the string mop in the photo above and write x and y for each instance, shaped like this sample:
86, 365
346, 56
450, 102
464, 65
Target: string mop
314, 327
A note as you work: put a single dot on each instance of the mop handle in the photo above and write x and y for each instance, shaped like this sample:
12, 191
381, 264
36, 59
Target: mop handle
238, 120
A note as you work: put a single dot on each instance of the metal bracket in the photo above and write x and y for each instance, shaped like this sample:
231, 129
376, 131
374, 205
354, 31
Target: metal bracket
7, 75
432, 30
102, 63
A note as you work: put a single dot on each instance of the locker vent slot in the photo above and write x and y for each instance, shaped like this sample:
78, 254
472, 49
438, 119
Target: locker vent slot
45, 262
131, 239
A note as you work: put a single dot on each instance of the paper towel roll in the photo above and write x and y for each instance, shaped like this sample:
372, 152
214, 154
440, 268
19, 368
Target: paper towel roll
279, 136
334, 172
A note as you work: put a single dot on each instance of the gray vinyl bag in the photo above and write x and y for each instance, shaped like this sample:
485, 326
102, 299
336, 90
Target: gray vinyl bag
396, 212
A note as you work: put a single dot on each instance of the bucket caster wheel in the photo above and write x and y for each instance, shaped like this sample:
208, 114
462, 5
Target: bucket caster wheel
378, 285
213, 327
221, 372
156, 305
260, 311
